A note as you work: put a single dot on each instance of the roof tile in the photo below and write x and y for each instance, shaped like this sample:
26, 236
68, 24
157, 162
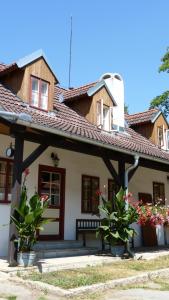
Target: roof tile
141, 117
67, 120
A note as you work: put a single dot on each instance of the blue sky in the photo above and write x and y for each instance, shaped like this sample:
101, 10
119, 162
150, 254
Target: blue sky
128, 37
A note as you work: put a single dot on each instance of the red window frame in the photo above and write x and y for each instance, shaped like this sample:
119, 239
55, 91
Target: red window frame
8, 161
92, 201
39, 94
159, 193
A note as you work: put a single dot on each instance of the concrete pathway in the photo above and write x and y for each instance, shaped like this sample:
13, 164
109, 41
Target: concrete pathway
9, 289
54, 264
135, 294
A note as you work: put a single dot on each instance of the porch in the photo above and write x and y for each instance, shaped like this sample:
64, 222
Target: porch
76, 158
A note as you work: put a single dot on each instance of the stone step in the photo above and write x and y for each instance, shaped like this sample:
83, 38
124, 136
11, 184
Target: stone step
49, 245
54, 253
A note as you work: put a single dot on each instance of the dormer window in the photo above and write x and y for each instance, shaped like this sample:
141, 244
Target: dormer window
39, 93
104, 116
160, 136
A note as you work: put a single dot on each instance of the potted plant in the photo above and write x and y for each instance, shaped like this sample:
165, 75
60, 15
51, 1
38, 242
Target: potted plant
27, 218
151, 218
116, 220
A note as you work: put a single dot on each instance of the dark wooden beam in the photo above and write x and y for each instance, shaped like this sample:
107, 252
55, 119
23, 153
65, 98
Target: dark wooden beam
33, 156
111, 169
16, 190
155, 165
5, 121
75, 145
39, 136
121, 168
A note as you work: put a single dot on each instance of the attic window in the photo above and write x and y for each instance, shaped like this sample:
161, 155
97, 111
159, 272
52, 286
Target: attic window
39, 93
104, 116
160, 136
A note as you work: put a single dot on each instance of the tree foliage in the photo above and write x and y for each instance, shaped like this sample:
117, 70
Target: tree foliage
126, 108
162, 101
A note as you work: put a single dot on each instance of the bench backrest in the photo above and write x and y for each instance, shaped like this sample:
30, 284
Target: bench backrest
87, 223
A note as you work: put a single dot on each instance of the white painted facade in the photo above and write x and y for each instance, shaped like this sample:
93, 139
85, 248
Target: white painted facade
76, 165
115, 85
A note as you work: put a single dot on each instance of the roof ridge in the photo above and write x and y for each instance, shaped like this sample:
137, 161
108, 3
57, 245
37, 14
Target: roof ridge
143, 112
62, 88
82, 86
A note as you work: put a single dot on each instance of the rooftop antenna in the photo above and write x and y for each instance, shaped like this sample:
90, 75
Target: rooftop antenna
70, 51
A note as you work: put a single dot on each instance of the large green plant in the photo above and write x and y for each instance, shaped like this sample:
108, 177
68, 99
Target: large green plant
27, 218
116, 218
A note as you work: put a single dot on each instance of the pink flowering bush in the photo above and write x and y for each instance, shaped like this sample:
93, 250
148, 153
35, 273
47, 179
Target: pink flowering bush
150, 215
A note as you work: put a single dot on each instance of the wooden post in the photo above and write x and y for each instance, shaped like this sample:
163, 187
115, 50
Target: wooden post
16, 189
121, 167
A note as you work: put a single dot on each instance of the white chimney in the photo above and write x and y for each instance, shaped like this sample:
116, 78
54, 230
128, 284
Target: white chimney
115, 85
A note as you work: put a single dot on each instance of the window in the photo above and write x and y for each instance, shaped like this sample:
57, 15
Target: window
167, 139
158, 193
145, 198
50, 185
39, 93
104, 116
90, 199
5, 180
113, 189
160, 136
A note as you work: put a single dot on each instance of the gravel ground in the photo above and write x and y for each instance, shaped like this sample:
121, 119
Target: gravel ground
136, 294
8, 288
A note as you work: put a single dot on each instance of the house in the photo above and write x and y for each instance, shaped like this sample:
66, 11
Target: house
69, 154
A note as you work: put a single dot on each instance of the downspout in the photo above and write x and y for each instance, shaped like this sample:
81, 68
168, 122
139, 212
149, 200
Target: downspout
130, 168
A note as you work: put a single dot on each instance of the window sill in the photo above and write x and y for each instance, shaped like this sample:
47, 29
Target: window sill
38, 108
5, 202
89, 212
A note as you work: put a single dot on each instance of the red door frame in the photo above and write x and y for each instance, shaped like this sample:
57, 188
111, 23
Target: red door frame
62, 203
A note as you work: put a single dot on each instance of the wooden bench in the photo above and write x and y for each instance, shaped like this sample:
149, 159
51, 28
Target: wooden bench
84, 226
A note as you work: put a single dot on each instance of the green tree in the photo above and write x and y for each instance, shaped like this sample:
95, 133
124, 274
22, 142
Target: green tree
162, 101
126, 108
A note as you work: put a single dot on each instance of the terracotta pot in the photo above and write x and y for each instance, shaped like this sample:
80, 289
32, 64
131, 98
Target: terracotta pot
149, 235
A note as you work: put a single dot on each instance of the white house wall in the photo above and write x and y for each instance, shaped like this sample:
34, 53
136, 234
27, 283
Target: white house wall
75, 164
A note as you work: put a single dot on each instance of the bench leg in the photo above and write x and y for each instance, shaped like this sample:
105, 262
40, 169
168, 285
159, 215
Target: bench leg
103, 244
84, 240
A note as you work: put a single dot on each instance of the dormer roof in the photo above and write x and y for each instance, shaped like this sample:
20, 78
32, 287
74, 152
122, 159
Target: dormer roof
87, 90
150, 115
23, 62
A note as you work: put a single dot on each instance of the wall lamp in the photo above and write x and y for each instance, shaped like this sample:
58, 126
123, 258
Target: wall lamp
10, 151
55, 159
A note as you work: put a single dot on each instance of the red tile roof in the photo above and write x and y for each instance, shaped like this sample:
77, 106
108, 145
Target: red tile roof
6, 68
74, 93
68, 121
142, 117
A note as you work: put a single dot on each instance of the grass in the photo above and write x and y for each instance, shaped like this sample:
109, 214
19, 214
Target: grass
159, 283
90, 275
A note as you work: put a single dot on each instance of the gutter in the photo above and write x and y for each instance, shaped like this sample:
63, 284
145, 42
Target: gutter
26, 120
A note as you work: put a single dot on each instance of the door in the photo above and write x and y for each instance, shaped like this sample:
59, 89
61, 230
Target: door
52, 184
